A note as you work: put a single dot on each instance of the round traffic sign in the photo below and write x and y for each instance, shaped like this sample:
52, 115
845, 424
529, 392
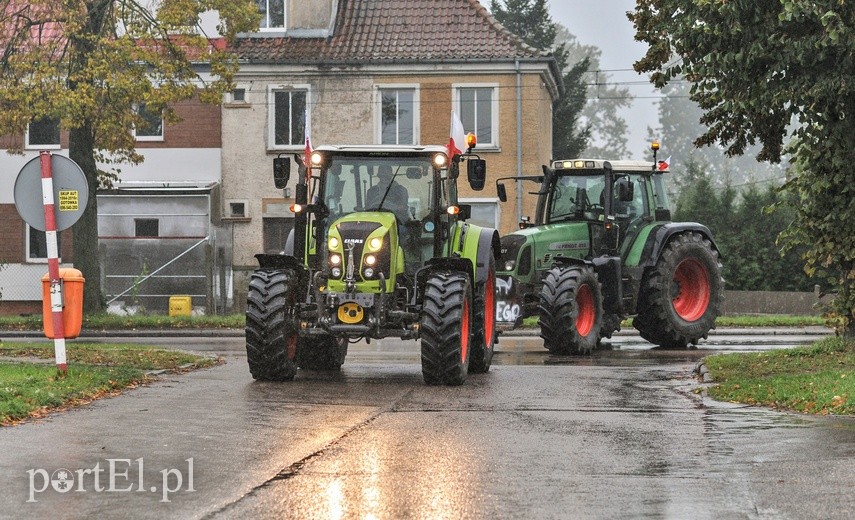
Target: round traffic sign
70, 192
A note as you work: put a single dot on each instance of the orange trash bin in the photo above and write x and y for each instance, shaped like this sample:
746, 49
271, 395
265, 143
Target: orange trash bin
72, 303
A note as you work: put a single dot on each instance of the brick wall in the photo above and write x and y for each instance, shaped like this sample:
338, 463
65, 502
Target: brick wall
13, 233
200, 127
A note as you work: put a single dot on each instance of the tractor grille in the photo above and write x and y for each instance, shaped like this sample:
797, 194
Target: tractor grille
356, 233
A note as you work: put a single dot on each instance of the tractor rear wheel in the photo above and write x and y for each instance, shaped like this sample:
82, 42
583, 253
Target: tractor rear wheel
682, 295
321, 353
484, 335
445, 328
571, 310
271, 335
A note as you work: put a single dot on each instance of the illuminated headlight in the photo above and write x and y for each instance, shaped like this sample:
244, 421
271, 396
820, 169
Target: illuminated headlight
317, 158
370, 260
439, 160
333, 243
368, 272
375, 244
335, 259
509, 265
336, 272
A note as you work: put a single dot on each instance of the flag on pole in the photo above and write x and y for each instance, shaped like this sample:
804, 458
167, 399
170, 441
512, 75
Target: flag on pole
663, 165
308, 153
457, 141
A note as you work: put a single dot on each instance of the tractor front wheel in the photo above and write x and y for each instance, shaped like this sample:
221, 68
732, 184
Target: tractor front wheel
681, 296
445, 328
571, 310
271, 336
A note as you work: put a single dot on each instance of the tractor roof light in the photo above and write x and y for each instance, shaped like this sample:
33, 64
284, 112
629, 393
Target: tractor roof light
439, 160
471, 141
654, 145
317, 158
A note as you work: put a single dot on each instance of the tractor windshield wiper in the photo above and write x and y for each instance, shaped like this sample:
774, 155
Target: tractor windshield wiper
385, 193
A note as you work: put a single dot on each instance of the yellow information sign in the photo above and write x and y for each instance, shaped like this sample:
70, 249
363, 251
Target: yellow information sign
68, 200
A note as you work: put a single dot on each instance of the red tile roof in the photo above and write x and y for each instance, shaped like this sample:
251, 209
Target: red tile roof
391, 31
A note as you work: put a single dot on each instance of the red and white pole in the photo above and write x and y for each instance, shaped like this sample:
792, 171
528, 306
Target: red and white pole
53, 262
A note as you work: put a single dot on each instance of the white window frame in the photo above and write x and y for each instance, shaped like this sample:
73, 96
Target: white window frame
264, 27
378, 112
485, 200
38, 260
494, 107
29, 146
150, 138
271, 115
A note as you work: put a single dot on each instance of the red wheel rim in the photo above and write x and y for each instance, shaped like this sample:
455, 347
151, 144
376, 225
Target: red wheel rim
291, 343
489, 308
693, 289
585, 304
464, 332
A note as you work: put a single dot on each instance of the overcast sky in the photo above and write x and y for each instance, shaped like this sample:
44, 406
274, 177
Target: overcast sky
603, 23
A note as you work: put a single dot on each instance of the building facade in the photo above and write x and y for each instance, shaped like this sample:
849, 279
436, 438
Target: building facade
378, 72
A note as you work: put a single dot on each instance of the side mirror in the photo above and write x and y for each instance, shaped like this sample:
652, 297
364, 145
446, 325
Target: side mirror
465, 211
281, 171
624, 190
476, 172
301, 195
502, 192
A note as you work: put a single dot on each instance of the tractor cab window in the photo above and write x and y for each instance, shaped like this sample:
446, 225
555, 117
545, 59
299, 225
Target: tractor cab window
635, 208
576, 197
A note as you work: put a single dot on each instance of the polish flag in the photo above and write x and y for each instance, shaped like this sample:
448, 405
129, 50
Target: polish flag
457, 141
663, 165
308, 153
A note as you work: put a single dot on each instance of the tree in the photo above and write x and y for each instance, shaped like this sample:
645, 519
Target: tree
754, 68
530, 20
91, 63
603, 101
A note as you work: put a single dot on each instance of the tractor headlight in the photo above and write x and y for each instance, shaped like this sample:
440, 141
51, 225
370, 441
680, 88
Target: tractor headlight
370, 260
336, 272
335, 259
368, 272
510, 264
375, 244
333, 243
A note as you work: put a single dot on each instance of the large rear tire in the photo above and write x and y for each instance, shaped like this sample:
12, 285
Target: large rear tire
271, 335
484, 335
321, 353
571, 310
445, 328
682, 295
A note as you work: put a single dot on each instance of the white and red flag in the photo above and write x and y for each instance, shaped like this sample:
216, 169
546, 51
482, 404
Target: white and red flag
457, 141
663, 165
308, 153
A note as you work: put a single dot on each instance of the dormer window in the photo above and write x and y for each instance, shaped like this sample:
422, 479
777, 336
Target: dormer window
272, 14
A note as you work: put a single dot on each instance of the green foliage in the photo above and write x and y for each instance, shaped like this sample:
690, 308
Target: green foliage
89, 63
103, 321
817, 379
756, 67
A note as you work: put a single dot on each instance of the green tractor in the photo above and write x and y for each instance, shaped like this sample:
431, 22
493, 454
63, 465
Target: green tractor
603, 248
380, 248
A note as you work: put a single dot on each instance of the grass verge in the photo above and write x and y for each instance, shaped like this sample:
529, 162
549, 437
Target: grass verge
819, 379
32, 388
106, 321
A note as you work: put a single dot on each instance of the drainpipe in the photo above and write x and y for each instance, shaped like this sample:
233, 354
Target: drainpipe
519, 140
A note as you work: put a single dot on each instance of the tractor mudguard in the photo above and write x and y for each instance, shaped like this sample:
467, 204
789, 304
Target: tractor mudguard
276, 262
660, 236
488, 244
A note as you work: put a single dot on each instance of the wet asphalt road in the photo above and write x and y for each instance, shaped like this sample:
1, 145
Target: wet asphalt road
621, 434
